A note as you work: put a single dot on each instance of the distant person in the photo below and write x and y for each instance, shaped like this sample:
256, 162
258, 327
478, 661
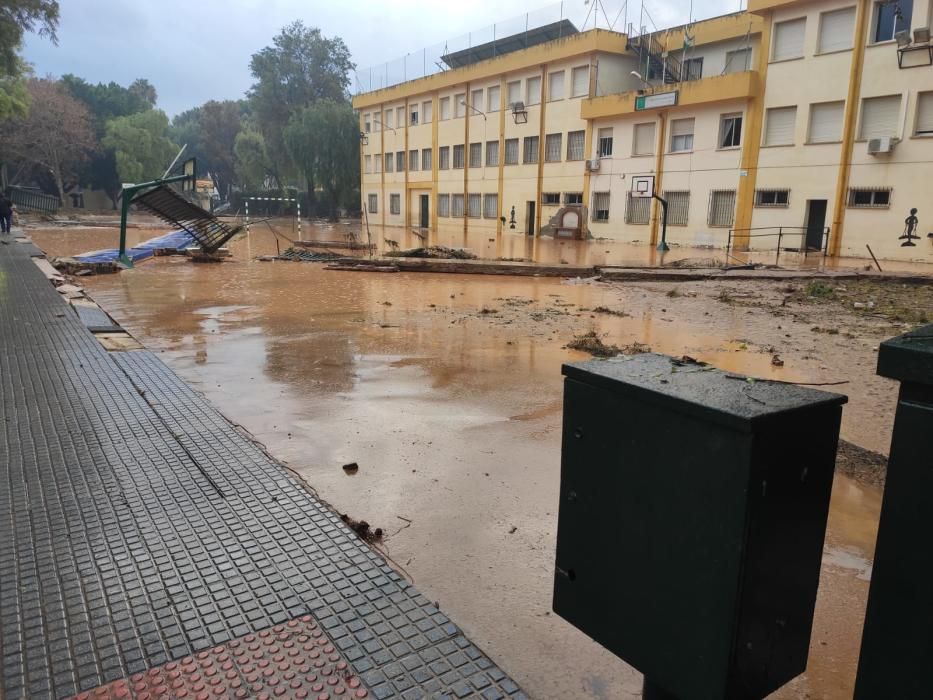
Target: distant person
6, 214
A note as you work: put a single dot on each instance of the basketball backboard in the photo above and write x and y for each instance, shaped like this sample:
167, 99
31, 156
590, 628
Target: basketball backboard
643, 186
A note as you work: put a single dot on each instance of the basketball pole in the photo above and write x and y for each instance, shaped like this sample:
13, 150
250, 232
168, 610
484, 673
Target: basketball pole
662, 246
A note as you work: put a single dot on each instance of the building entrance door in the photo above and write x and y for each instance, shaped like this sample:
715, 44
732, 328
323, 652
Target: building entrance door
425, 210
816, 223
530, 218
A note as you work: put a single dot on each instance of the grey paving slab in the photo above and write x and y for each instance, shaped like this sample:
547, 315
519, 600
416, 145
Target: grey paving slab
138, 525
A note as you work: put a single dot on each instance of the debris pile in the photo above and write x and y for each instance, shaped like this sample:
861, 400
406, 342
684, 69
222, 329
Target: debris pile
305, 255
363, 529
434, 252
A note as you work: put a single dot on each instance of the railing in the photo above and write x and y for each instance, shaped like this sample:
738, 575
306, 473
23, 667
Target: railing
31, 199
780, 232
655, 64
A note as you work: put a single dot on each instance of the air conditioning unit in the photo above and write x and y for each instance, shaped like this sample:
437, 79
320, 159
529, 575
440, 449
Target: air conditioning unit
885, 144
592, 165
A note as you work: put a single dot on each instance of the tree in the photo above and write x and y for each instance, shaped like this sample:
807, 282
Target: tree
18, 17
145, 91
14, 95
252, 160
210, 132
55, 137
324, 143
141, 146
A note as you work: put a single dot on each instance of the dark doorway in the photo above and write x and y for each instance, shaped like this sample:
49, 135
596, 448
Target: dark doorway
816, 223
425, 209
530, 218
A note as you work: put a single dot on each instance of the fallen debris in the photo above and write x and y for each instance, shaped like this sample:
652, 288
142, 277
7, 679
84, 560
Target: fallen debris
591, 342
436, 252
304, 255
351, 468
610, 312
363, 529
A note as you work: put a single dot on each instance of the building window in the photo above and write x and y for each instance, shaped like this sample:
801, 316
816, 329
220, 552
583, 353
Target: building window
476, 100
788, 39
604, 144
826, 122
772, 198
514, 90
390, 162
552, 148
555, 86
367, 123
443, 158
550, 198
530, 153
492, 99
836, 30
576, 140
889, 18
779, 126
413, 157
413, 116
730, 131
427, 112
395, 204
533, 91
924, 124
643, 140
490, 206
580, 81
400, 162
682, 135
511, 151
377, 163
721, 208
457, 205
445, 108
869, 197
637, 209
475, 205
373, 203
601, 206
460, 105
389, 118
368, 167
492, 154
573, 199
738, 61
426, 161
443, 205
692, 69
400, 117
678, 207
476, 155
880, 116
458, 156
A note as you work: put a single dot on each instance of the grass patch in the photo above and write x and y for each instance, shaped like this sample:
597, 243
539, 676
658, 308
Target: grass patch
819, 290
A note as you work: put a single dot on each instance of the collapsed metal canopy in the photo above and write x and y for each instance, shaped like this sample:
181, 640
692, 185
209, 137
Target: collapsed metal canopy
168, 205
508, 44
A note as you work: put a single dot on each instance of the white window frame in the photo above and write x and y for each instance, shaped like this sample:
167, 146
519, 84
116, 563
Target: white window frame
923, 120
427, 112
427, 159
839, 105
555, 84
769, 115
414, 115
731, 56
784, 26
686, 144
477, 104
513, 91
604, 142
724, 119
444, 108
414, 159
863, 133
460, 109
574, 85
443, 158
873, 27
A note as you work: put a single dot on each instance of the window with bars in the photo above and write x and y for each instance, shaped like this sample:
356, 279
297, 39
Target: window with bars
490, 206
678, 207
772, 198
530, 152
600, 206
395, 204
443, 158
605, 143
373, 203
552, 198
400, 162
721, 208
637, 209
576, 140
474, 205
443, 205
511, 151
413, 159
730, 131
390, 162
476, 155
869, 197
456, 205
426, 159
573, 199
552, 144
492, 154
458, 156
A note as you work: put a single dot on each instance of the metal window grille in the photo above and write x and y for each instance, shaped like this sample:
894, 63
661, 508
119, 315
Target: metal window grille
869, 197
492, 154
530, 154
456, 205
552, 144
550, 198
426, 162
511, 151
678, 207
475, 205
413, 159
395, 204
772, 198
601, 206
458, 156
400, 162
490, 206
575, 143
390, 162
637, 209
373, 201
721, 208
443, 158
443, 205
476, 155
605, 143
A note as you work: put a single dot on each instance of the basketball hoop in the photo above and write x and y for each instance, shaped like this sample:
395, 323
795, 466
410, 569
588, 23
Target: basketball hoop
642, 186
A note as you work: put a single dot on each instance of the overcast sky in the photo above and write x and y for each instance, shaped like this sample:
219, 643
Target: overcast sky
198, 50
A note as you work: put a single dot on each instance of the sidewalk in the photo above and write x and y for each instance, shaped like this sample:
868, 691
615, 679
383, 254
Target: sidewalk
148, 545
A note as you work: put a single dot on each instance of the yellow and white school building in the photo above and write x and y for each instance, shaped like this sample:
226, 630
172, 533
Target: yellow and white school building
809, 118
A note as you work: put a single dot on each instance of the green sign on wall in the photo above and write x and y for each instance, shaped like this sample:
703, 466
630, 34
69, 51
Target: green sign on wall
660, 99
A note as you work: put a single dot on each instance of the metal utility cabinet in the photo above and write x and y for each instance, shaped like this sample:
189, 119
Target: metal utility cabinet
693, 506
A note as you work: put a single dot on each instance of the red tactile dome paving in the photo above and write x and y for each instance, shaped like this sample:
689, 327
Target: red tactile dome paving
292, 660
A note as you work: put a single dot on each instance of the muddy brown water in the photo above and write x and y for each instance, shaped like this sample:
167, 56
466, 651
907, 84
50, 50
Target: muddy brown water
454, 416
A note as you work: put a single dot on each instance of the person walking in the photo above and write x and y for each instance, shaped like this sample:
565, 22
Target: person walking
6, 214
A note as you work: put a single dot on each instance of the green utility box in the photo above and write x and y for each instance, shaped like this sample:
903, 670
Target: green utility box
693, 506
897, 641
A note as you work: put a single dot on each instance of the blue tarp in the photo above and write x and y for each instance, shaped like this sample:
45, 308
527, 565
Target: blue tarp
177, 240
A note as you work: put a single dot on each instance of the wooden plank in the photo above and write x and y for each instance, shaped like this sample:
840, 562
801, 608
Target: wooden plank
118, 342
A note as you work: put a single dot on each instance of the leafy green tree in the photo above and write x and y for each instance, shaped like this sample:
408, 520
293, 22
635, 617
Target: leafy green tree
18, 17
323, 141
210, 132
252, 160
145, 91
141, 145
14, 95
